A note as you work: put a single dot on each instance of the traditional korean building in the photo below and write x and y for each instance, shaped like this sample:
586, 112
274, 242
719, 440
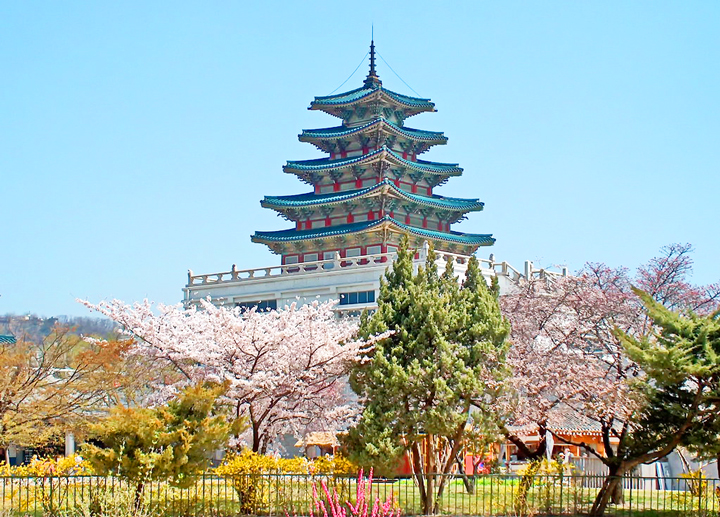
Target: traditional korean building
372, 187
369, 190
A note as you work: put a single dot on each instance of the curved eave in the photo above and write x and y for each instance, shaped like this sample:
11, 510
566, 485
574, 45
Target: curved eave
333, 133
325, 165
312, 200
465, 239
363, 94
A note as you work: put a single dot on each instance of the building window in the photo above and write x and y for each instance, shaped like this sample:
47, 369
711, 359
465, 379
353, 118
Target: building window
374, 250
353, 252
357, 297
291, 259
262, 305
310, 257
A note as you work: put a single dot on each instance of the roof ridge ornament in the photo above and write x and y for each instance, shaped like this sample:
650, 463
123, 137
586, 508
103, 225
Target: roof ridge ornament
372, 80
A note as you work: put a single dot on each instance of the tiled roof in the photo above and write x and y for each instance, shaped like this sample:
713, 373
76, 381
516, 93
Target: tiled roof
7, 339
293, 235
312, 199
342, 131
326, 164
563, 420
358, 94
326, 438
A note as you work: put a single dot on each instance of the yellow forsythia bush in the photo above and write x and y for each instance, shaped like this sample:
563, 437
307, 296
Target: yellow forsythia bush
246, 469
337, 465
544, 467
248, 462
44, 467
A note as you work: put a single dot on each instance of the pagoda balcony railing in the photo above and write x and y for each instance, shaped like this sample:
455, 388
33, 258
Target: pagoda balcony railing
489, 266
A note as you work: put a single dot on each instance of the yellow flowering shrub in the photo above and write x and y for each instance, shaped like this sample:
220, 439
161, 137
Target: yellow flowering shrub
246, 470
336, 465
48, 491
543, 478
249, 462
45, 467
696, 482
544, 467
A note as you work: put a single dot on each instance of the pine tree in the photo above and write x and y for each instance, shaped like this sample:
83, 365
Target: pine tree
169, 442
680, 387
445, 355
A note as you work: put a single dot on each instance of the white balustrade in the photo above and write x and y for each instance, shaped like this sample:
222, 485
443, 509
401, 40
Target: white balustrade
377, 260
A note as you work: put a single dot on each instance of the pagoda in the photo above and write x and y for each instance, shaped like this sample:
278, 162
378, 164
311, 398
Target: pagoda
367, 192
371, 188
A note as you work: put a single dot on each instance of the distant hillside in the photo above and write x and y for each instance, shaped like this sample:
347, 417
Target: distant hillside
35, 328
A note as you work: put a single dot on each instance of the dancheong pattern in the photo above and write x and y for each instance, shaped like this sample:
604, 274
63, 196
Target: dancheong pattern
371, 188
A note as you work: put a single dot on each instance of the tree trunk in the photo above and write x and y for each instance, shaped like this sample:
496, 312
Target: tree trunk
429, 506
469, 483
610, 491
617, 494
419, 474
467, 480
445, 468
255, 439
430, 475
138, 495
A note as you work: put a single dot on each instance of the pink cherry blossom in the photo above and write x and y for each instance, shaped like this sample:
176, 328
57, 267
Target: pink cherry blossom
285, 369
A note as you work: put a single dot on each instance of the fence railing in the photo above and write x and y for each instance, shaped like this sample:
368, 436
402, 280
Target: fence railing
273, 495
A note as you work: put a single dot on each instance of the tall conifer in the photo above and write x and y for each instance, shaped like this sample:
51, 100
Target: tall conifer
418, 386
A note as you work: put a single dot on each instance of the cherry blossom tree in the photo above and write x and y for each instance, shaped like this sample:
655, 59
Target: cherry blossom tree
285, 368
567, 357
666, 279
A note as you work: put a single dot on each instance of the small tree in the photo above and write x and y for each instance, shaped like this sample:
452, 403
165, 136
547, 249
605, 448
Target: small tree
681, 362
50, 386
168, 442
445, 354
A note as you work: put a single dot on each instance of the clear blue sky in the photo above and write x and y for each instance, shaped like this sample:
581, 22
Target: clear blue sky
137, 138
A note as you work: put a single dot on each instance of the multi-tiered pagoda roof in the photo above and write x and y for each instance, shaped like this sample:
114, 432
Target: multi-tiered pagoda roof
372, 188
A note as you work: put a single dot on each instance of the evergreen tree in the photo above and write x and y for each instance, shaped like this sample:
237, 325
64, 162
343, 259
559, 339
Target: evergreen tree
680, 387
169, 442
445, 355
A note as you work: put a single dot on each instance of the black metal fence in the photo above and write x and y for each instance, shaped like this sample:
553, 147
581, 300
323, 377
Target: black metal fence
274, 495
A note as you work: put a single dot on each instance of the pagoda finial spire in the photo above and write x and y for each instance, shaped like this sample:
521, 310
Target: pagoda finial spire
372, 80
